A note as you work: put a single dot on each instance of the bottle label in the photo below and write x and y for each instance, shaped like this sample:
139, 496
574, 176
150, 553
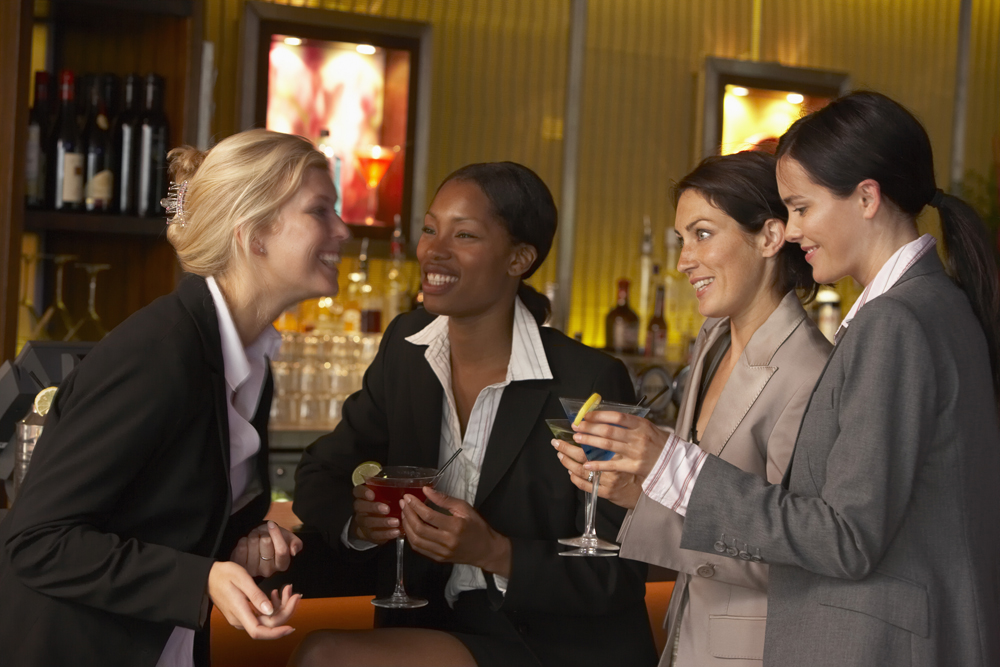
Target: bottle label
626, 335
100, 188
72, 191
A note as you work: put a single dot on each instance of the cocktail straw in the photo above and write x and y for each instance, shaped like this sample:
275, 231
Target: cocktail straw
445, 466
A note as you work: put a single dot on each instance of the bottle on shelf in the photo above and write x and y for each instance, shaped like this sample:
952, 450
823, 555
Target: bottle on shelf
656, 330
396, 299
37, 157
154, 142
67, 151
645, 271
351, 315
326, 148
125, 139
621, 326
99, 177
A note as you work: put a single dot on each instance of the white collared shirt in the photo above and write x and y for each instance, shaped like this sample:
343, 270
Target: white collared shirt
461, 480
245, 370
676, 471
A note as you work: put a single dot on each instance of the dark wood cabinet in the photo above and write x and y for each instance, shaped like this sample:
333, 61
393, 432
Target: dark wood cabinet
120, 37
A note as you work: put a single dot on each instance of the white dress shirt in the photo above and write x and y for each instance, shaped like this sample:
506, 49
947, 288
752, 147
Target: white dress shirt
245, 369
676, 471
461, 480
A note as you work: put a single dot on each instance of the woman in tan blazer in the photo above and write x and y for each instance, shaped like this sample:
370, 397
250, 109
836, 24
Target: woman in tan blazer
754, 365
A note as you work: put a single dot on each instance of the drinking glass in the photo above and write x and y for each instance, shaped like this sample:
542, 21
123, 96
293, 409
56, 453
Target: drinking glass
389, 486
589, 544
62, 325
95, 330
374, 161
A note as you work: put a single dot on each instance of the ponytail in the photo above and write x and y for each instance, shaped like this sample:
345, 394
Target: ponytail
975, 270
536, 302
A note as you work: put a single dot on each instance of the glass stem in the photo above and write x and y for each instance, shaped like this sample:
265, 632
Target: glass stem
400, 590
591, 530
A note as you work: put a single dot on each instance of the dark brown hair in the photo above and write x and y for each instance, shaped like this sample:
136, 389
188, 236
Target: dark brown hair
744, 187
867, 135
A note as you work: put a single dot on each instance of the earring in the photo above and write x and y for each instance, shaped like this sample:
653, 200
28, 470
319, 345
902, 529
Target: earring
260, 250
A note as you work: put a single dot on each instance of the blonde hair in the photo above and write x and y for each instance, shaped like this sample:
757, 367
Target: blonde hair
240, 184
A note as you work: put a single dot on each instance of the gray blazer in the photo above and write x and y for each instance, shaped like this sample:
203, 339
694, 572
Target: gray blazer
719, 604
884, 538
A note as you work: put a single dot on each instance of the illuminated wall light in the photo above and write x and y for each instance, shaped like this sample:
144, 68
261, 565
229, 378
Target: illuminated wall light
365, 49
795, 98
293, 41
740, 91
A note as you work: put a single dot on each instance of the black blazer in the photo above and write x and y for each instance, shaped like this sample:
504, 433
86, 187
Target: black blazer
126, 503
580, 611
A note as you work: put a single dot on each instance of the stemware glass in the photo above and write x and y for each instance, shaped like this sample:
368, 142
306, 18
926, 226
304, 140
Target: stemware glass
374, 161
62, 325
95, 330
389, 486
589, 544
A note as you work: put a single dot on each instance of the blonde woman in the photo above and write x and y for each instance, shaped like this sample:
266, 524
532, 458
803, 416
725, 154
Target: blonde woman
151, 472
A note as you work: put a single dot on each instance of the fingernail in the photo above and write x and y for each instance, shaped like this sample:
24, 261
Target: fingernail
393, 522
267, 608
383, 508
270, 524
560, 456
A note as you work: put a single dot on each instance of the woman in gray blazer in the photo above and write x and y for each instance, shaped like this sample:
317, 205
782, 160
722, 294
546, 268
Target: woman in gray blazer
754, 365
884, 536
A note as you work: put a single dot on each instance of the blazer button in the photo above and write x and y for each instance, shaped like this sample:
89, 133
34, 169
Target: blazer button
707, 570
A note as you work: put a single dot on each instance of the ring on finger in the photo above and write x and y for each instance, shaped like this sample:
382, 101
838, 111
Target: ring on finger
265, 557
590, 476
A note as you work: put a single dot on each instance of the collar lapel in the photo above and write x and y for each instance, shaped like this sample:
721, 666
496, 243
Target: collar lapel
706, 339
426, 407
751, 373
519, 410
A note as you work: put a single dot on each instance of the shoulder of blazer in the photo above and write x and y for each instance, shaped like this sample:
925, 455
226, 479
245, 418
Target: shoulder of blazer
571, 360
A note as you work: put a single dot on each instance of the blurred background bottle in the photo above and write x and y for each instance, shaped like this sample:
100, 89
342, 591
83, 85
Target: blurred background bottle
656, 330
645, 274
125, 140
67, 152
37, 149
154, 142
99, 175
621, 326
396, 299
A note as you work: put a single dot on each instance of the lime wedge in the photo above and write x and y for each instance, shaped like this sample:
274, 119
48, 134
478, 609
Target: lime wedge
592, 404
364, 471
43, 401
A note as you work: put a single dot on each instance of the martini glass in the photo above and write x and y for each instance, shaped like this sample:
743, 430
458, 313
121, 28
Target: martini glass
374, 161
389, 486
589, 544
95, 330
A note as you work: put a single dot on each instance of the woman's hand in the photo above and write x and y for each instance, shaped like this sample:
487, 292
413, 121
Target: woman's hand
267, 549
635, 440
464, 537
620, 488
371, 521
246, 607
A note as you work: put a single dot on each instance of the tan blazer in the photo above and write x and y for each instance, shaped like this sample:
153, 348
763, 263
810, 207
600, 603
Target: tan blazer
719, 604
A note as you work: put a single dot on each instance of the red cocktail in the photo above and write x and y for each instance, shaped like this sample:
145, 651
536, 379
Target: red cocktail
389, 486
374, 162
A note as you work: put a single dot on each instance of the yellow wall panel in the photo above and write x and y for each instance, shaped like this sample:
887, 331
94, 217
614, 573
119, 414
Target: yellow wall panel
499, 76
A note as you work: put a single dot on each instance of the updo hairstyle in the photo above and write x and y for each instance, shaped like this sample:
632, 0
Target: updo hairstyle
241, 183
744, 187
521, 201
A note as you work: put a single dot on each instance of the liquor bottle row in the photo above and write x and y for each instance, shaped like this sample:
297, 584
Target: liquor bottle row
98, 150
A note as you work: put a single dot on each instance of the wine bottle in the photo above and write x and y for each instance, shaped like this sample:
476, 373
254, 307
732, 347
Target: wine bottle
370, 303
396, 299
154, 140
656, 331
67, 176
36, 194
126, 147
99, 175
621, 326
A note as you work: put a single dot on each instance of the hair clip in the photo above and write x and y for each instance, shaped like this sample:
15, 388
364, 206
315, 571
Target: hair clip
174, 202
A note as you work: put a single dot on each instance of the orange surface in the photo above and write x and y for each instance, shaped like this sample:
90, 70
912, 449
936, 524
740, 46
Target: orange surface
233, 648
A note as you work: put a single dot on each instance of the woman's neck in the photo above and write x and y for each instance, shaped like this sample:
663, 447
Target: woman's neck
251, 312
881, 246
744, 325
484, 339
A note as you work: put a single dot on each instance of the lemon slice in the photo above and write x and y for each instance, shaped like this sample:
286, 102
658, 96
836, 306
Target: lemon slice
43, 401
592, 403
364, 471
